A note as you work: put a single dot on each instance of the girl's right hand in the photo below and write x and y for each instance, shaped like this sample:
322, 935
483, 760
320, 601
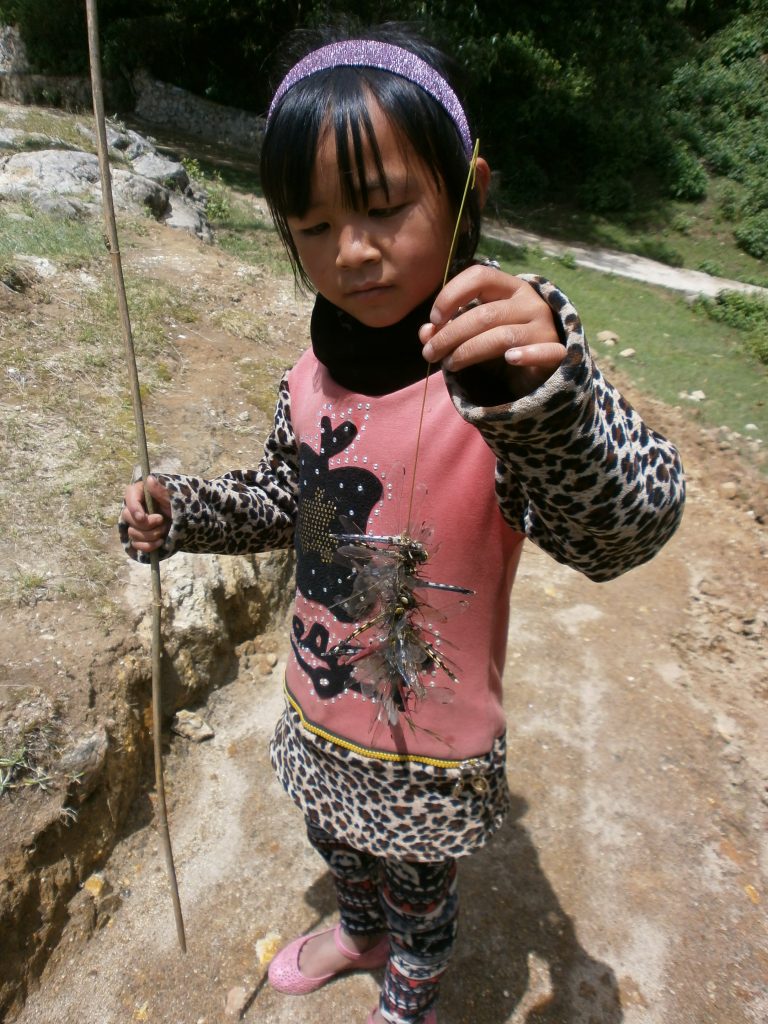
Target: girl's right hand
147, 532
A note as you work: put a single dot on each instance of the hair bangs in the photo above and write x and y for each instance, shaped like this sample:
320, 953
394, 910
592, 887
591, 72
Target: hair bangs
338, 100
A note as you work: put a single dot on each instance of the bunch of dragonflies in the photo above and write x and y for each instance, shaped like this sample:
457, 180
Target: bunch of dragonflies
394, 650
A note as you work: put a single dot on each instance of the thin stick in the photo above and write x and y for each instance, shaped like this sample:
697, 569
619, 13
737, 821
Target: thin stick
141, 441
468, 186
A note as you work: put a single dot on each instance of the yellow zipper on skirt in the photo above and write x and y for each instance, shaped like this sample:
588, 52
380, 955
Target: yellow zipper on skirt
380, 755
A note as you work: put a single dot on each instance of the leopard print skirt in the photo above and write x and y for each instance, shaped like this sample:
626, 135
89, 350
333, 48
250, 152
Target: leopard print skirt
391, 809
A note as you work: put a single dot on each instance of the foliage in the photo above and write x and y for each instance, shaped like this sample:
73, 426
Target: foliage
752, 234
218, 205
717, 102
606, 105
746, 312
561, 102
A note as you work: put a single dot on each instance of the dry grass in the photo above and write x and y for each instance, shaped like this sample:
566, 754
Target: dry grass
67, 435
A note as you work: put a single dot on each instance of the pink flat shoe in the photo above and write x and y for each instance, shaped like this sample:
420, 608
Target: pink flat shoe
285, 975
431, 1017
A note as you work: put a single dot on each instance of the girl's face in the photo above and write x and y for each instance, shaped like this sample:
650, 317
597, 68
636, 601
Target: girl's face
380, 262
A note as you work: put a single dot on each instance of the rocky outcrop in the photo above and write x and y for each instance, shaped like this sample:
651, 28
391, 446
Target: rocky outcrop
211, 605
219, 614
66, 181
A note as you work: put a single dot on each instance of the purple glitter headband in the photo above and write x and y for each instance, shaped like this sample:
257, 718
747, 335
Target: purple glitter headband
369, 53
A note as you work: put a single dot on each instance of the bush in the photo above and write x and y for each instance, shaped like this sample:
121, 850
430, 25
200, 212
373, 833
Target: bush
710, 267
688, 179
609, 192
745, 312
658, 249
718, 102
752, 235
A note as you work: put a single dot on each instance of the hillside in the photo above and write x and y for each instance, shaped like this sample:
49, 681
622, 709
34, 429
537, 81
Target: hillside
634, 866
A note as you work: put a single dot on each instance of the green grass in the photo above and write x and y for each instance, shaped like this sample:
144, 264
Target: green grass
27, 231
678, 347
61, 130
246, 235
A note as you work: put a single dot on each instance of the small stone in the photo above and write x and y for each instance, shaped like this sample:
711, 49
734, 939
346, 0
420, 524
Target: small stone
236, 999
271, 659
95, 885
750, 426
191, 727
627, 353
607, 337
729, 490
244, 416
84, 763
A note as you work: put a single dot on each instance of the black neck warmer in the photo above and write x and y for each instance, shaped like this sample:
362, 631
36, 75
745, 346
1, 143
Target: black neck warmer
369, 360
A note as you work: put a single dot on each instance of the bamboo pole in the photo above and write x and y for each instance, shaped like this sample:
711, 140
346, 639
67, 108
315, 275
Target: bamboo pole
141, 440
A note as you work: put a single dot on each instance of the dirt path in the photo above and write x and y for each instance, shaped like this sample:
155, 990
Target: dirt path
623, 264
629, 885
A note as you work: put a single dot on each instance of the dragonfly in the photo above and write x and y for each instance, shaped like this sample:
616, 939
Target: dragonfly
395, 650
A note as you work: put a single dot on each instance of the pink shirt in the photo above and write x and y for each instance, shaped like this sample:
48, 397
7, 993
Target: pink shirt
353, 450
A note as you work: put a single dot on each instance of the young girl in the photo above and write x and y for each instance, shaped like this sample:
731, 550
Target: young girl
392, 741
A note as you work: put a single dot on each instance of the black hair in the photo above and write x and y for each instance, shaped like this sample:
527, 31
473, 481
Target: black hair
338, 98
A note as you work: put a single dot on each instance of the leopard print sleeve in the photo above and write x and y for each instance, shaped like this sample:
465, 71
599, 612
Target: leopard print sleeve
577, 469
241, 512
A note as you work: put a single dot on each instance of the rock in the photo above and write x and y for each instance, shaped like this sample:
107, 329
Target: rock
49, 170
60, 206
67, 183
184, 216
84, 763
191, 726
211, 604
162, 103
627, 353
38, 266
132, 190
13, 53
607, 337
159, 168
129, 143
96, 886
729, 489
236, 1000
104, 899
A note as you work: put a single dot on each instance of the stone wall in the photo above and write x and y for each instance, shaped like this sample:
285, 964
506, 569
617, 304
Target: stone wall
19, 85
13, 56
151, 100
160, 103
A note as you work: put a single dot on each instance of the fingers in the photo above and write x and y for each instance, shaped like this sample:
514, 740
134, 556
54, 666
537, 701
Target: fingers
482, 284
484, 314
545, 356
146, 531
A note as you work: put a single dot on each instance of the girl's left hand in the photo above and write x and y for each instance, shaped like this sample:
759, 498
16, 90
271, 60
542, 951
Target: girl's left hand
507, 319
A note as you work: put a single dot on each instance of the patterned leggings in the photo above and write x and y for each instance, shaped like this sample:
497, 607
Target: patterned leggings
416, 903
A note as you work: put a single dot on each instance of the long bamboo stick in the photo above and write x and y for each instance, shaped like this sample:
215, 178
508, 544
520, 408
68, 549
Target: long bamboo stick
141, 441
